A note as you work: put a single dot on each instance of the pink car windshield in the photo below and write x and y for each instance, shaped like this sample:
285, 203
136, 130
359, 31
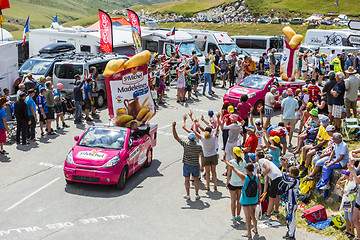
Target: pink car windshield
254, 82
100, 137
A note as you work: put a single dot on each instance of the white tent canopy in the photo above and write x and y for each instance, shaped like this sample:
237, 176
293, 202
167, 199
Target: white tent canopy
5, 35
313, 18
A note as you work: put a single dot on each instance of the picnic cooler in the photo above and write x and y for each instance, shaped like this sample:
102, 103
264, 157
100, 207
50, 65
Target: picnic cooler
315, 214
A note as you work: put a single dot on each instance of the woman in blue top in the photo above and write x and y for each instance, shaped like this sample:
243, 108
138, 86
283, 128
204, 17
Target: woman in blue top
248, 203
274, 149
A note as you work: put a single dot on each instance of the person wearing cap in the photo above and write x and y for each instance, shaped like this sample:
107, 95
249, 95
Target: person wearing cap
21, 90
271, 172
50, 101
284, 93
338, 93
227, 122
212, 121
248, 202
352, 84
17, 81
59, 106
274, 147
233, 135
207, 76
270, 103
311, 129
272, 61
29, 78
78, 98
42, 81
259, 126
209, 146
32, 115
234, 184
348, 62
289, 107
251, 143
310, 150
327, 89
22, 119
313, 91
191, 166
337, 64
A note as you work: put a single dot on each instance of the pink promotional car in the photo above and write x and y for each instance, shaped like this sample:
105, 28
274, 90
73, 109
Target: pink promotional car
108, 155
256, 86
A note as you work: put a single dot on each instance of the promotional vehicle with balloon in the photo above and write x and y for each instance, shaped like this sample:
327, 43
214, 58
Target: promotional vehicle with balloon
109, 154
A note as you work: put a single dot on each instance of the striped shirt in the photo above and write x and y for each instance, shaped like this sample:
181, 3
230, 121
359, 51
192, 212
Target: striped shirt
192, 152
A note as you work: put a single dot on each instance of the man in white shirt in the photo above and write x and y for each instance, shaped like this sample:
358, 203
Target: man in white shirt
332, 56
352, 84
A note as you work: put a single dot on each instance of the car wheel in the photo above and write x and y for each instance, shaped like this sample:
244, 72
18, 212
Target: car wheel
100, 100
149, 158
122, 179
69, 181
258, 104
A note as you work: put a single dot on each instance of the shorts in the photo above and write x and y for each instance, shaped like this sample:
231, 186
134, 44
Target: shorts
234, 188
274, 187
297, 115
87, 103
188, 88
50, 113
337, 111
194, 80
269, 112
357, 206
2, 135
189, 169
283, 140
223, 73
290, 122
209, 161
330, 108
41, 118
58, 109
304, 71
349, 104
181, 85
349, 214
321, 72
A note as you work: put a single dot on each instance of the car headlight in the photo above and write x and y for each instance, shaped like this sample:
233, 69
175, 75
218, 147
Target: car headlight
251, 95
112, 162
69, 158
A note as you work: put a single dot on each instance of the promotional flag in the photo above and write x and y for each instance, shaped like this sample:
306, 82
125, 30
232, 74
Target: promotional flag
136, 30
177, 48
106, 33
4, 4
129, 93
26, 30
171, 33
54, 22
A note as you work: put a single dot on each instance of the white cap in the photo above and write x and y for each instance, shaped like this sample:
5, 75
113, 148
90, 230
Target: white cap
330, 128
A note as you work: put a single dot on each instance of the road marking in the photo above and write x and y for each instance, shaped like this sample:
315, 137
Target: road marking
46, 164
32, 194
198, 110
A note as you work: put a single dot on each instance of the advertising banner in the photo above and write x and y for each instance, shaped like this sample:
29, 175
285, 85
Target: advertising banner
136, 30
129, 97
106, 36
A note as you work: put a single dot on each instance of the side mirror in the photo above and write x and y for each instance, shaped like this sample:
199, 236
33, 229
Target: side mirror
76, 138
135, 143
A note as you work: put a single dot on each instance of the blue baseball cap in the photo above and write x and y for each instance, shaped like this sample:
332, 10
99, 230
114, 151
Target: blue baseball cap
211, 113
250, 128
192, 136
252, 156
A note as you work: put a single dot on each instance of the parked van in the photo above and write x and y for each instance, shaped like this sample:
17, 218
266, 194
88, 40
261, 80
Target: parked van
334, 37
84, 40
8, 64
206, 40
256, 45
297, 21
65, 70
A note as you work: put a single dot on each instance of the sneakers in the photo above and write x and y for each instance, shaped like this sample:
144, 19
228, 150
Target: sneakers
233, 219
96, 116
35, 139
65, 125
197, 197
326, 187
2, 151
187, 197
238, 218
266, 217
58, 127
274, 213
88, 119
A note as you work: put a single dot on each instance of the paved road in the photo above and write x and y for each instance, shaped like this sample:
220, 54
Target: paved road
36, 203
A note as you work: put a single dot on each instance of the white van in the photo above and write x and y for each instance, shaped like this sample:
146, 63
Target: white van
256, 45
65, 70
8, 64
206, 40
84, 40
334, 37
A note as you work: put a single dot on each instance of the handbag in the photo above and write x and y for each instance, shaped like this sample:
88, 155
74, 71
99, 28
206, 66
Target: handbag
315, 214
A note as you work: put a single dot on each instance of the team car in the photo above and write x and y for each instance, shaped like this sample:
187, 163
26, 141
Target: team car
256, 87
108, 155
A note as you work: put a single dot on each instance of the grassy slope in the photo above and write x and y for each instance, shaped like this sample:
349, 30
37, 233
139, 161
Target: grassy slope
243, 29
305, 7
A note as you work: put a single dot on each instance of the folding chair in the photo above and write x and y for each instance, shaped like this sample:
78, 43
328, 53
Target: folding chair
350, 126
